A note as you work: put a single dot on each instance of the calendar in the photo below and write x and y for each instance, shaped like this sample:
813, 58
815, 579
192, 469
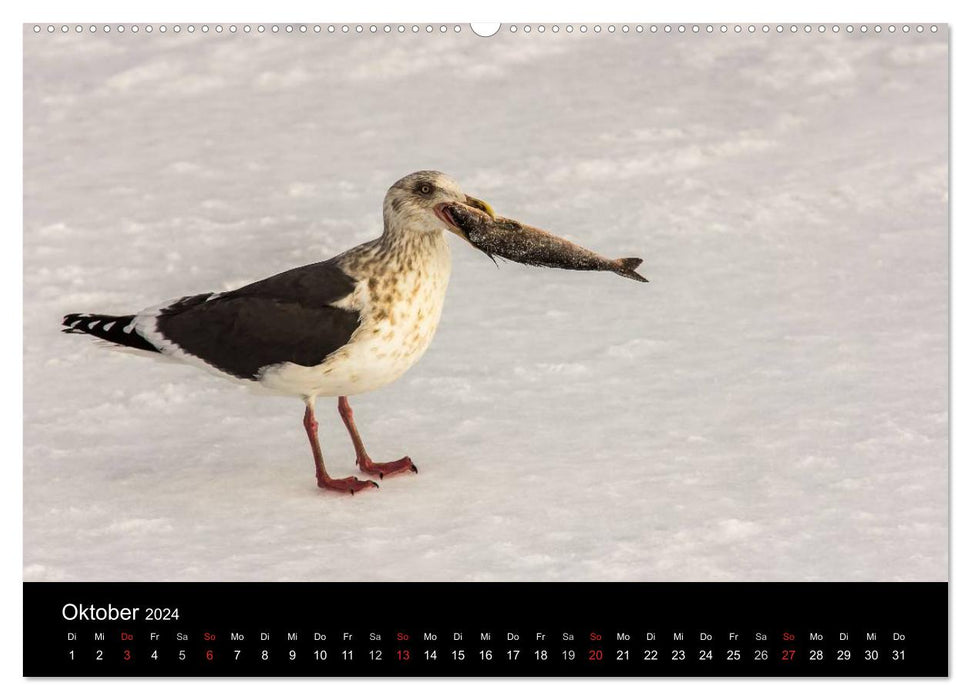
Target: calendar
782, 630
556, 349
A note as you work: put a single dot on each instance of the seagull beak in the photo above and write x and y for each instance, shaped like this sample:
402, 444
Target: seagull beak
481, 205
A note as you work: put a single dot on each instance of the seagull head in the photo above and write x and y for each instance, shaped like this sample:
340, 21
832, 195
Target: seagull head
414, 203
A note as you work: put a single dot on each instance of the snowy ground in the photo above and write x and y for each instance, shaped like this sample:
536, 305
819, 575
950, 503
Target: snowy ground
773, 406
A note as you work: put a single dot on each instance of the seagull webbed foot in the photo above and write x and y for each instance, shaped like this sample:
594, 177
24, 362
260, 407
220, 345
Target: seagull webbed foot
383, 469
350, 484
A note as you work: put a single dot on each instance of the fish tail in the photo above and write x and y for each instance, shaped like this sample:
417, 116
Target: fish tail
626, 266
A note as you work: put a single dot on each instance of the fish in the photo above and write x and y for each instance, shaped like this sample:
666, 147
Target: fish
497, 236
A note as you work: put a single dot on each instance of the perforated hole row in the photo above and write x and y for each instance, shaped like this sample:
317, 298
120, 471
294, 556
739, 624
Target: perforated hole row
456, 28
250, 28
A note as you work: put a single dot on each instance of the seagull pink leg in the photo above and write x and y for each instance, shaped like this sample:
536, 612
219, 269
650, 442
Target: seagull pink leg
347, 485
382, 469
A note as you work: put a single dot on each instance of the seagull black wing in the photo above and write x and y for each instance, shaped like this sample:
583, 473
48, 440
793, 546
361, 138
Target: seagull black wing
289, 317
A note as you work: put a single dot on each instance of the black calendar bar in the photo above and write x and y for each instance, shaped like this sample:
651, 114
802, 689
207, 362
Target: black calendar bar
485, 629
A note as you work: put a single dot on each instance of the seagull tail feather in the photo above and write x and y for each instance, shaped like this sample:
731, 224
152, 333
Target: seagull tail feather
626, 266
119, 330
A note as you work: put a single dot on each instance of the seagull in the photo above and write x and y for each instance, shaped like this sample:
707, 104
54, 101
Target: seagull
345, 326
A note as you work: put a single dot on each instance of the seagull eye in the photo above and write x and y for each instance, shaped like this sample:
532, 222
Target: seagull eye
425, 189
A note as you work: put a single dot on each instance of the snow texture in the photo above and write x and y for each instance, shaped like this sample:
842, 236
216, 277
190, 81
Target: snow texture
772, 406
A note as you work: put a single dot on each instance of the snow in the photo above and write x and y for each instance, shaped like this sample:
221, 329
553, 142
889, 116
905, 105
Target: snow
772, 406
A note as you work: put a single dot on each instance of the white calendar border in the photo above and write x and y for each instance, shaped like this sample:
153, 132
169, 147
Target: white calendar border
926, 11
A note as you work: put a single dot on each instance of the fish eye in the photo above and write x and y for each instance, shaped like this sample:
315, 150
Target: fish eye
425, 188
